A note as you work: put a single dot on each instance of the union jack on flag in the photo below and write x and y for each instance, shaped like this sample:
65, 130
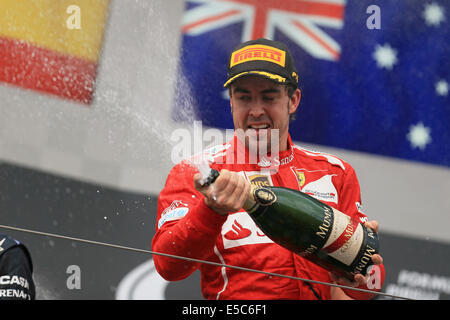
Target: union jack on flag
300, 20
382, 90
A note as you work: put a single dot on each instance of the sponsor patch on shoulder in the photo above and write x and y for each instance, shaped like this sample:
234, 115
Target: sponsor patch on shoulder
174, 214
175, 211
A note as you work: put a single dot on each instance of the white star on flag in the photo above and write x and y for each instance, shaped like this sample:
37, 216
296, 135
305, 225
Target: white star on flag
419, 136
385, 56
433, 14
441, 87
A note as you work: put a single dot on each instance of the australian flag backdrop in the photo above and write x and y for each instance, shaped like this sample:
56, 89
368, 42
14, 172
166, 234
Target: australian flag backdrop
374, 75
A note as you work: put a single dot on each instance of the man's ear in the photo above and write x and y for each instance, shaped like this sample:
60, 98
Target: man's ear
295, 101
231, 100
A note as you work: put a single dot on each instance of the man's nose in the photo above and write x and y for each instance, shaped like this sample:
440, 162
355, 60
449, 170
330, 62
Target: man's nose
256, 110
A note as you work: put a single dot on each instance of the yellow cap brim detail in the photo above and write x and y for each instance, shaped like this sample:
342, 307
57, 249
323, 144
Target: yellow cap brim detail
271, 76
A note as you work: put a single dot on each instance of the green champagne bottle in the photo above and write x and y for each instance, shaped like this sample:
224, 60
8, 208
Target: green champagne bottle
311, 229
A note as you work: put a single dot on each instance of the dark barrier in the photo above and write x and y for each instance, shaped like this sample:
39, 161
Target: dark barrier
70, 269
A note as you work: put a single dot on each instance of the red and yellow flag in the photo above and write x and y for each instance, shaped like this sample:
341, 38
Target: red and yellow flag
52, 46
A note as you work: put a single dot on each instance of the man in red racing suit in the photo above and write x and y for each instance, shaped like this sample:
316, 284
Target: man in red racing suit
187, 227
192, 223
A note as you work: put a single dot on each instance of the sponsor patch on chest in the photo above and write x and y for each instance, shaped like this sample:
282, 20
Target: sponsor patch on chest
317, 184
240, 230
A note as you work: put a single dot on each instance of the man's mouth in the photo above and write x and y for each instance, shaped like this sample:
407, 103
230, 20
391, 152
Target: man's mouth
259, 126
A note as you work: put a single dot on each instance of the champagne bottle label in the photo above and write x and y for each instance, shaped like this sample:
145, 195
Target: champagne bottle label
345, 239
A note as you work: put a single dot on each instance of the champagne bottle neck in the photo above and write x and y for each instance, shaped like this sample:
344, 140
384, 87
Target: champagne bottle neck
259, 196
251, 205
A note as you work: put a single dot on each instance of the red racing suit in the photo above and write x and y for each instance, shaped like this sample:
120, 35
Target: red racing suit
185, 226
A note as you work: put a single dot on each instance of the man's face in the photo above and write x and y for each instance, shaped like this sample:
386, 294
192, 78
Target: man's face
259, 107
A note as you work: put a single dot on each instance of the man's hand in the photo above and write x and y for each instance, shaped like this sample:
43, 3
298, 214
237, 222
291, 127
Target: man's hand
227, 194
359, 279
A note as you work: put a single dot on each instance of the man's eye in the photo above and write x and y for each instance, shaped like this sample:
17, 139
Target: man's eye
268, 98
244, 98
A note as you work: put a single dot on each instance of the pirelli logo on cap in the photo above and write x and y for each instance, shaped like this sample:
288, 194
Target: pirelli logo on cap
258, 52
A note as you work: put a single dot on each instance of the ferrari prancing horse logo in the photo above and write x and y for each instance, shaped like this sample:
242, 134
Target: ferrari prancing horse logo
300, 177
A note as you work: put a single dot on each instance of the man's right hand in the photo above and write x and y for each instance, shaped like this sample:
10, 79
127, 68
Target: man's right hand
227, 194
